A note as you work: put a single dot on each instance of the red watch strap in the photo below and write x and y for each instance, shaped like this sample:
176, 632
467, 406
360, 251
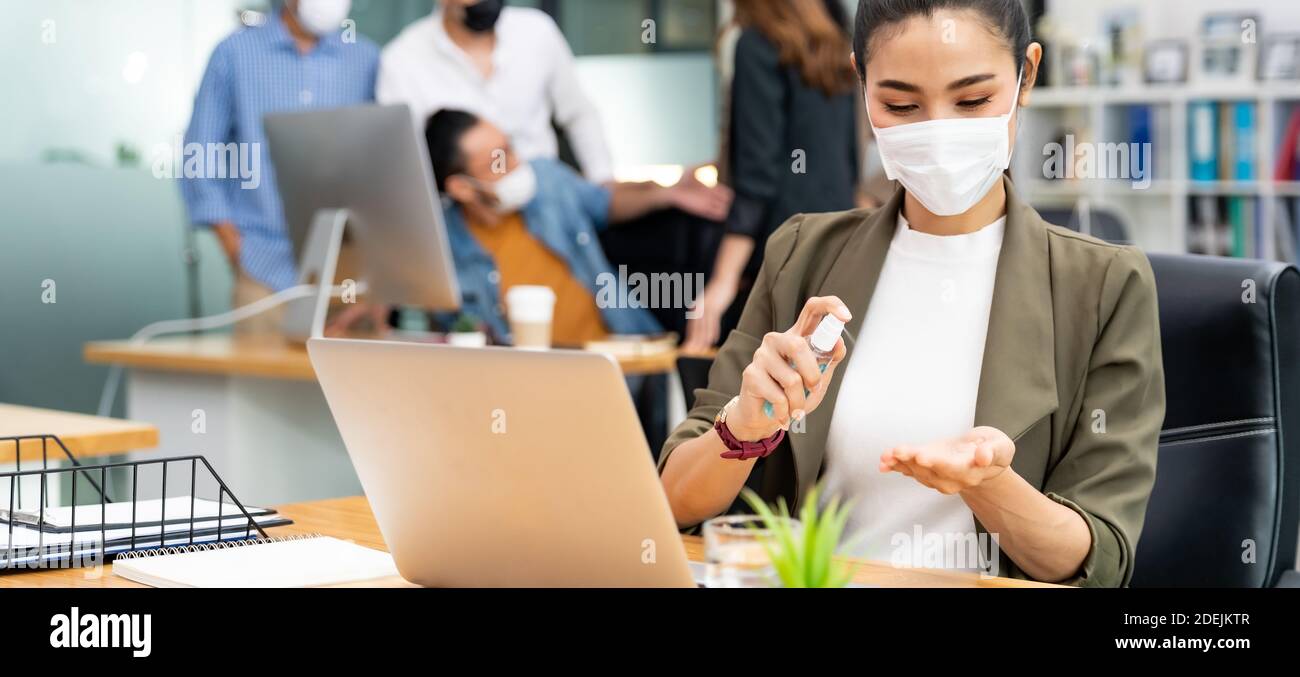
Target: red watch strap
742, 451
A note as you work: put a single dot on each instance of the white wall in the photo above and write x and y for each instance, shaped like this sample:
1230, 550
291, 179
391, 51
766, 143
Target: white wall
659, 109
65, 74
71, 94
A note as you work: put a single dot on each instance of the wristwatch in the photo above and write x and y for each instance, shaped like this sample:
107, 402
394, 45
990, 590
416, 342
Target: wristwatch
739, 450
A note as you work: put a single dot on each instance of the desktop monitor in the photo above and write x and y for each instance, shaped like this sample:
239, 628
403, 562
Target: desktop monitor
370, 161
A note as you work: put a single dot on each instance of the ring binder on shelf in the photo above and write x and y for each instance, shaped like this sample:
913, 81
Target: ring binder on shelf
46, 537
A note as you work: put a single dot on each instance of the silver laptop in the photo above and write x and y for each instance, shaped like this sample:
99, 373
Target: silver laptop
502, 467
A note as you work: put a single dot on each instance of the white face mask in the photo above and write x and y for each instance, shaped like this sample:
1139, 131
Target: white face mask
516, 189
322, 16
948, 164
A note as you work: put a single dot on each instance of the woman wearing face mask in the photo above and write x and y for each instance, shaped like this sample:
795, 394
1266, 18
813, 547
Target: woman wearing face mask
1006, 376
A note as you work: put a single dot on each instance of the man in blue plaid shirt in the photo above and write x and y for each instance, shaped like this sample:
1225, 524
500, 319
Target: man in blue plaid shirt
305, 55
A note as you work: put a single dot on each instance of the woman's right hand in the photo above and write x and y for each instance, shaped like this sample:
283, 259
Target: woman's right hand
771, 378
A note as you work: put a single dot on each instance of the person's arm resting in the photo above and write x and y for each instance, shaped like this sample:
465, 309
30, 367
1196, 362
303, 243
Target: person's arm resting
630, 201
212, 122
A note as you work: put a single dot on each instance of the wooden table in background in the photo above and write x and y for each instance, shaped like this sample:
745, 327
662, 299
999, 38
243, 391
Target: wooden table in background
268, 430
266, 358
351, 519
85, 436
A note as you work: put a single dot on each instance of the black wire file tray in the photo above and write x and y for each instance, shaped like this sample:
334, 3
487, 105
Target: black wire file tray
70, 514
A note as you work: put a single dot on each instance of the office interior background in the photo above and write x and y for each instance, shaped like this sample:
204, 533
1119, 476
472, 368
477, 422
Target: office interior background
94, 88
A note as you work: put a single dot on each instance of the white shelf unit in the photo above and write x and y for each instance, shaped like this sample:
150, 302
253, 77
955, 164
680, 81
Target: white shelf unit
1158, 215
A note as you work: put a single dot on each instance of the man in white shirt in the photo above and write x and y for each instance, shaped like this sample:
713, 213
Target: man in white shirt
508, 65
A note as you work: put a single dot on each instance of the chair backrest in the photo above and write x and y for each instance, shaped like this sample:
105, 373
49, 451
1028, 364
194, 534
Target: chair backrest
694, 373
1101, 223
1225, 506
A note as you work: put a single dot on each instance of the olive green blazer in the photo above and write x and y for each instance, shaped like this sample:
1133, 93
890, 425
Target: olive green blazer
1072, 368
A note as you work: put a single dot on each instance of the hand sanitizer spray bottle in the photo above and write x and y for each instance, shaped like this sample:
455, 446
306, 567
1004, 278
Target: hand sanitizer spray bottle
822, 342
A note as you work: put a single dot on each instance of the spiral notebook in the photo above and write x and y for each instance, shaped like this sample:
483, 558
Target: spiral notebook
288, 562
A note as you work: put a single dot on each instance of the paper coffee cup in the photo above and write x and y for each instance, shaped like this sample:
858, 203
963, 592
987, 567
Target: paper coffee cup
530, 310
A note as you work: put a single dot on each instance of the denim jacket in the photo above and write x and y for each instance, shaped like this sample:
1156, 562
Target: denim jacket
565, 216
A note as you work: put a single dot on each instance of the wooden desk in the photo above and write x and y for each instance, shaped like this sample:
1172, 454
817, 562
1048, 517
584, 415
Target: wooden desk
350, 519
266, 358
85, 436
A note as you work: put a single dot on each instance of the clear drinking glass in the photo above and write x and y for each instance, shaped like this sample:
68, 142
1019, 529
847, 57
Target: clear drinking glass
734, 553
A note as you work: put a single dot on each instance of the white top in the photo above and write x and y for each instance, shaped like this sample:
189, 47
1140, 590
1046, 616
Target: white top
912, 377
533, 79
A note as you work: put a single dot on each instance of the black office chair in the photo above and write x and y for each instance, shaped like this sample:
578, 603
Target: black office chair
694, 373
1227, 485
1102, 223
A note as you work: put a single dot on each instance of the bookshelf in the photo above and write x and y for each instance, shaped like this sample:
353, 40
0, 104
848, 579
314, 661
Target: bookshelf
1160, 215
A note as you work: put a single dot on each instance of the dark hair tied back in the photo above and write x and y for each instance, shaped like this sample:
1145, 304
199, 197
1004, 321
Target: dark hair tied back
1006, 18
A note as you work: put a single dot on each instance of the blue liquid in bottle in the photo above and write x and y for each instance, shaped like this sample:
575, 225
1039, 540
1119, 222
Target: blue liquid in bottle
822, 343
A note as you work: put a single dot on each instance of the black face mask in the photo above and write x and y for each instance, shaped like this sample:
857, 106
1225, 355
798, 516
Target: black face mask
481, 16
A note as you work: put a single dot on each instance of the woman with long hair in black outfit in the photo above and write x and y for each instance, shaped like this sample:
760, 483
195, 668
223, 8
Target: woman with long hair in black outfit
790, 144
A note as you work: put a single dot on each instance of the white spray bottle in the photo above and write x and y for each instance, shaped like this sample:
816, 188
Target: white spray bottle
822, 342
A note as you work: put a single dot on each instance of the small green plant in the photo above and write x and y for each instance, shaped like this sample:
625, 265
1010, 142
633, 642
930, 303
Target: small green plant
804, 556
465, 323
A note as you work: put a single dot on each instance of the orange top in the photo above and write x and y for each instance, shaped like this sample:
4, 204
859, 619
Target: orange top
523, 259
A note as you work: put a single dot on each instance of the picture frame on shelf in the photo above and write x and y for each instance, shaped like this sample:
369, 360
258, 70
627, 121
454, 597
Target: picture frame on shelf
1227, 47
1279, 60
1122, 56
1165, 62
1079, 65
